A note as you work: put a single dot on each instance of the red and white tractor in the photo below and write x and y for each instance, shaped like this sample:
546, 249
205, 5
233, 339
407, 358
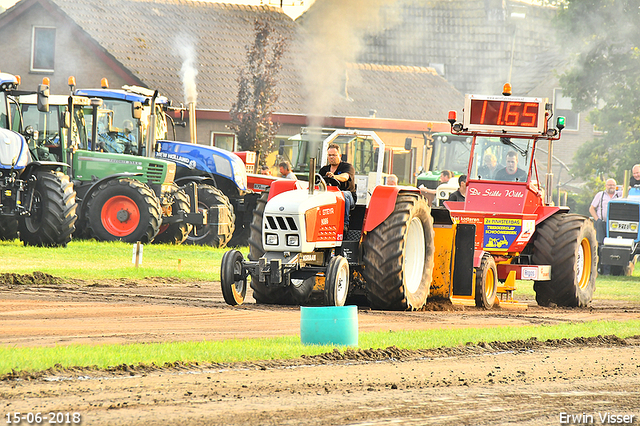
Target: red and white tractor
298, 245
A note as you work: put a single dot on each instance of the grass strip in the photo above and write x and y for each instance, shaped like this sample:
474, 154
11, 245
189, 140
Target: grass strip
35, 359
92, 260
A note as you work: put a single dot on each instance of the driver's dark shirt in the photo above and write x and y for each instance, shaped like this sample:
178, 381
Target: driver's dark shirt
343, 167
520, 175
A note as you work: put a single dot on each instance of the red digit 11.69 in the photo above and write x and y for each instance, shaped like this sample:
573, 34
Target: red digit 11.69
504, 113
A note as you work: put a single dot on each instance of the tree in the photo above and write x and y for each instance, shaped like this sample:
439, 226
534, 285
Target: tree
257, 92
604, 79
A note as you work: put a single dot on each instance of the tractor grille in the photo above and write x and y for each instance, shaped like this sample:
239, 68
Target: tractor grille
155, 173
279, 223
624, 211
629, 212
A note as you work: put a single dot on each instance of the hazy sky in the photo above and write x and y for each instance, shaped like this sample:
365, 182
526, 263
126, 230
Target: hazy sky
293, 8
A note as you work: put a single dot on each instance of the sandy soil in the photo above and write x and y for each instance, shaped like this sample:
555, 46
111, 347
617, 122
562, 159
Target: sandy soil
529, 382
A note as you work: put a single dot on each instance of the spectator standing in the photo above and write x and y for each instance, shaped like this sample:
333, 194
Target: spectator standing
265, 170
600, 206
635, 176
460, 193
285, 171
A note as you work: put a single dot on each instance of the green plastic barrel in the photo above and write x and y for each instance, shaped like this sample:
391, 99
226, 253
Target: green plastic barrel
329, 325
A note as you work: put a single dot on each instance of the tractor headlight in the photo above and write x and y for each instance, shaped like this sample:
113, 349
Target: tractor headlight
613, 225
293, 240
272, 239
633, 226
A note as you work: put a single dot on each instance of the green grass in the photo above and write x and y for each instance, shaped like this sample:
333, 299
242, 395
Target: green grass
103, 356
607, 287
89, 260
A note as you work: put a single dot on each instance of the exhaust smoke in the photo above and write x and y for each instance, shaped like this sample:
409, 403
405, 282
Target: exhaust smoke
185, 48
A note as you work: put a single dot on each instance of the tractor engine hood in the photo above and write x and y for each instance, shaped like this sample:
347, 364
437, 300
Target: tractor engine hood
13, 150
295, 221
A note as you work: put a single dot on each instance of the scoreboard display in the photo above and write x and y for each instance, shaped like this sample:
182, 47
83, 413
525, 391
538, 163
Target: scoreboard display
504, 114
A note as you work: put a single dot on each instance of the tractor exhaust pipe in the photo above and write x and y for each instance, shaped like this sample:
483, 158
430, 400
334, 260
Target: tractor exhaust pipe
192, 123
312, 174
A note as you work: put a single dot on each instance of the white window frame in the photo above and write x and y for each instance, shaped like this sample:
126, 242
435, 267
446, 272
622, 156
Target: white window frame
577, 128
33, 47
213, 134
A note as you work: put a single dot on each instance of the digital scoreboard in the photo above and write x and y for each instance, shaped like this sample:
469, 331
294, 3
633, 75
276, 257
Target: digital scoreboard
504, 114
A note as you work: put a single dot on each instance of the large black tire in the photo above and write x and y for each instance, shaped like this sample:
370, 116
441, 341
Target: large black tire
486, 282
567, 242
53, 213
175, 233
206, 235
125, 210
398, 256
8, 228
256, 250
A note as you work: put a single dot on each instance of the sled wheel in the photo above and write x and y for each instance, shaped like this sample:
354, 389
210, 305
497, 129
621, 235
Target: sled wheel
336, 284
567, 242
398, 256
486, 282
234, 286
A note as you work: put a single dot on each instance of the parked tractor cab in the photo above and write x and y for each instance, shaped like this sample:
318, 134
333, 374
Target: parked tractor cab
37, 200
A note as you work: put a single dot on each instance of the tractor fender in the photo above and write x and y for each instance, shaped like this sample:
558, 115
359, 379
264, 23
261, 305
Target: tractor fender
43, 165
201, 180
477, 257
383, 201
95, 185
545, 212
283, 185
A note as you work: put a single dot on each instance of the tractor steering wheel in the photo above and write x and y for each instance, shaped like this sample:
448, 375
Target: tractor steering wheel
331, 181
322, 184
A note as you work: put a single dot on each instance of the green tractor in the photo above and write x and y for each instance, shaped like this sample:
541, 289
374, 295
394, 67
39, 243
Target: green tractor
120, 196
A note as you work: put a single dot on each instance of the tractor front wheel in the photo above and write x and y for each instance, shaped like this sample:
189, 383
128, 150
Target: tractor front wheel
336, 286
234, 285
486, 282
125, 210
398, 256
53, 212
567, 242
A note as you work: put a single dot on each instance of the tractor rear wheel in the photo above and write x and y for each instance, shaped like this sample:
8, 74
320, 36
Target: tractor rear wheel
8, 228
177, 232
486, 282
234, 287
398, 256
567, 242
207, 235
53, 212
125, 210
336, 284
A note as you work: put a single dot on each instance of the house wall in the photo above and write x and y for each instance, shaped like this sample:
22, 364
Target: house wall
72, 56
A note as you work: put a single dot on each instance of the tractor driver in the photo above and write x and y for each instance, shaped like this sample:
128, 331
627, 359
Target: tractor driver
345, 175
511, 172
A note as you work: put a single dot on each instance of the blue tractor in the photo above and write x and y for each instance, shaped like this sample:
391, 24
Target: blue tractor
220, 175
621, 245
37, 200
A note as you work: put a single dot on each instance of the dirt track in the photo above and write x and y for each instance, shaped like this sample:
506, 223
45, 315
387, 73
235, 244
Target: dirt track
528, 383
